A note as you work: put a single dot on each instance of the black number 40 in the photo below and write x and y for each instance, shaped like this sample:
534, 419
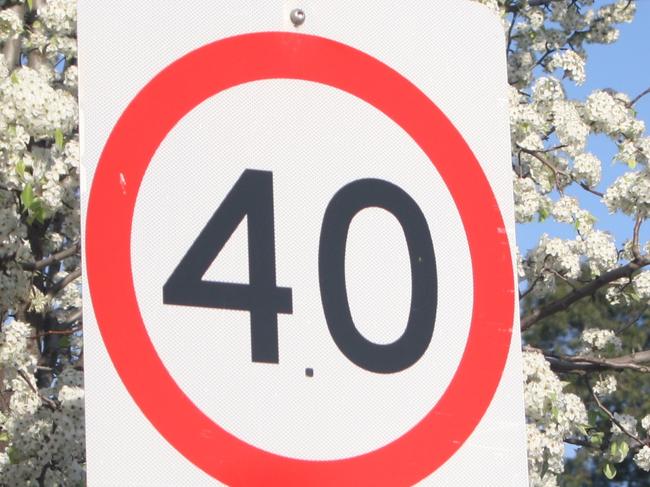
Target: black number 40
252, 197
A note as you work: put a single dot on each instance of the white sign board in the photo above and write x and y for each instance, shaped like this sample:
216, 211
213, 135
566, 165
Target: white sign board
298, 235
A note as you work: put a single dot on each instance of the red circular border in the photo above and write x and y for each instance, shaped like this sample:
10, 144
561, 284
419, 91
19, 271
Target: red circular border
135, 138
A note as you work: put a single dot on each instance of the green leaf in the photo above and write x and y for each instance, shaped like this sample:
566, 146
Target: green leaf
4, 436
597, 438
14, 455
30, 4
631, 163
38, 212
543, 214
555, 413
634, 296
613, 449
20, 169
609, 470
623, 449
27, 196
14, 77
583, 429
58, 138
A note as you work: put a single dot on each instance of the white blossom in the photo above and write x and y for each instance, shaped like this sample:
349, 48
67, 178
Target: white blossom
627, 422
645, 423
565, 209
642, 458
571, 63
605, 386
606, 113
587, 168
642, 285
600, 251
11, 25
630, 193
27, 99
595, 339
59, 16
570, 128
528, 201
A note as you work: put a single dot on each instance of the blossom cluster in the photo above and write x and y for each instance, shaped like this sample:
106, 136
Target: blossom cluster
42, 412
553, 415
554, 172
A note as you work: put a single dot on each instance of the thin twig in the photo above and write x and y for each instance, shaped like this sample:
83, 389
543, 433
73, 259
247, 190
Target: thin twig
636, 99
611, 416
512, 24
69, 331
537, 154
46, 400
632, 321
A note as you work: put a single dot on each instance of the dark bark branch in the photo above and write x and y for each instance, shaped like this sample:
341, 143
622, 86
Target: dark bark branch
35, 58
579, 442
63, 254
636, 249
639, 362
59, 286
73, 318
46, 400
582, 292
11, 49
517, 6
512, 25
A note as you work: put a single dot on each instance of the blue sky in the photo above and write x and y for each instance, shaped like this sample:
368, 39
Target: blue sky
623, 66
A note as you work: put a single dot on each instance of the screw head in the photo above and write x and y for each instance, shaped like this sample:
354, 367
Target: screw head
297, 16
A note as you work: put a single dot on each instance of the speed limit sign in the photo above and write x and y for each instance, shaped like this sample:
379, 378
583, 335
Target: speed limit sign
299, 246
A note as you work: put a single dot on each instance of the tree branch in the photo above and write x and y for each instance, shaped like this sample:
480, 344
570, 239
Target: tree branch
11, 49
74, 317
69, 331
516, 7
63, 254
636, 249
60, 285
35, 58
582, 292
636, 361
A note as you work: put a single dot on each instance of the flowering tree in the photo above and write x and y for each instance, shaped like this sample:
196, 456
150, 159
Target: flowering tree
584, 299
574, 360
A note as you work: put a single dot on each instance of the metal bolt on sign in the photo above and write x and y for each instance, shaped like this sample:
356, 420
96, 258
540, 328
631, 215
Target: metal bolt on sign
297, 16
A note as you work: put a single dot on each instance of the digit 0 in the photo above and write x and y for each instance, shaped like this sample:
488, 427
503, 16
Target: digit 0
409, 348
